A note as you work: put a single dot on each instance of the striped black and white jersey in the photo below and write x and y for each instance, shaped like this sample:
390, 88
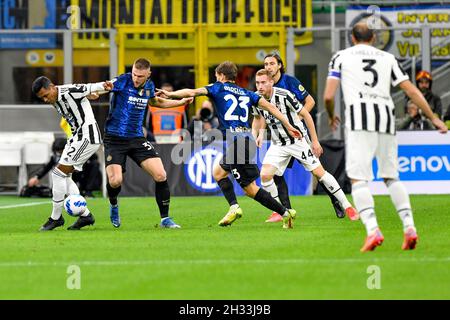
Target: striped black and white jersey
289, 106
366, 74
73, 105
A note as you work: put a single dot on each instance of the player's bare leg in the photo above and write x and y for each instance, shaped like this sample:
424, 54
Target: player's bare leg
267, 183
115, 178
400, 199
334, 188
365, 205
225, 184
155, 168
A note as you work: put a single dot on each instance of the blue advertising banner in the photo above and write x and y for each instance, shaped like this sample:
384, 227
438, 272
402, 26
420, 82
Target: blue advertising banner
198, 172
36, 14
423, 163
193, 176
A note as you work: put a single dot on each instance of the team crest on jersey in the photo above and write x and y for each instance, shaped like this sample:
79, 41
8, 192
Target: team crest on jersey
109, 158
141, 92
147, 92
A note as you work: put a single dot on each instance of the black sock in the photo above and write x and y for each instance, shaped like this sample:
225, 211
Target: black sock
113, 193
264, 197
283, 192
162, 195
228, 191
332, 197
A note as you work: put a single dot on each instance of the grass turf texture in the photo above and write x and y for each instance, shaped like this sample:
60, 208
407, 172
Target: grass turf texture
318, 259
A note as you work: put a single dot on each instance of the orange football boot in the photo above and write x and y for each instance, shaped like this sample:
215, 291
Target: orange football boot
274, 217
410, 240
373, 241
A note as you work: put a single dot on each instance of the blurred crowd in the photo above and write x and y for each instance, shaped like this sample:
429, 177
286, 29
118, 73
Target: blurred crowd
414, 119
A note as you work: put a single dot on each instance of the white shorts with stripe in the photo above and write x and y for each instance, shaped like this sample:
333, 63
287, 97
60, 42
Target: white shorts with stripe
279, 156
76, 153
362, 147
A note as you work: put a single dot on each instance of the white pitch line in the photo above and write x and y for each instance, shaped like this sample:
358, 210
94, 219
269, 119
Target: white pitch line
14, 264
23, 205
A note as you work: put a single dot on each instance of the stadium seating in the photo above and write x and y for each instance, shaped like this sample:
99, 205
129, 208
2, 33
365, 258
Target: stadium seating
19, 149
37, 147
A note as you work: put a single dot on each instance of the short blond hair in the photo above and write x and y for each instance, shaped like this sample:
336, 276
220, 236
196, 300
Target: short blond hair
264, 72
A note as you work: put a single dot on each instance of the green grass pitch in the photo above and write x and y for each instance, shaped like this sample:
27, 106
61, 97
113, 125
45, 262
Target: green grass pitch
318, 259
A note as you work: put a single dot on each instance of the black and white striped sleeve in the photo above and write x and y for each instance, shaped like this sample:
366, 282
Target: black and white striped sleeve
255, 111
79, 91
334, 67
292, 103
398, 75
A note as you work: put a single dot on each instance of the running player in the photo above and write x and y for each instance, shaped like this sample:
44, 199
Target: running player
274, 64
283, 147
232, 105
367, 74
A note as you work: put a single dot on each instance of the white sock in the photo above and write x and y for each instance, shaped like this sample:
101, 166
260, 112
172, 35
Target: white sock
400, 199
59, 190
86, 212
333, 186
271, 187
365, 205
72, 188
234, 206
285, 214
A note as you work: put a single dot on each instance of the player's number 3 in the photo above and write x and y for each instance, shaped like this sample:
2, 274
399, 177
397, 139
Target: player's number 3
243, 104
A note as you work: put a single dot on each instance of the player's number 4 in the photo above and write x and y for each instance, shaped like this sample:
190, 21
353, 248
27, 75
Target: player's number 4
243, 104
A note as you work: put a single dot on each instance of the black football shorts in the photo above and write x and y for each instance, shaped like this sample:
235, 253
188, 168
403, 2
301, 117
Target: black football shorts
117, 149
239, 159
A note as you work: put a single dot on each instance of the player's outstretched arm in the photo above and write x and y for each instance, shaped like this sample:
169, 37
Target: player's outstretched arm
107, 87
169, 103
89, 90
417, 97
183, 93
315, 144
295, 133
331, 87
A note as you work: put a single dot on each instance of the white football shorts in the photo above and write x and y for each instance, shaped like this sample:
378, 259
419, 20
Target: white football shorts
361, 147
279, 156
76, 153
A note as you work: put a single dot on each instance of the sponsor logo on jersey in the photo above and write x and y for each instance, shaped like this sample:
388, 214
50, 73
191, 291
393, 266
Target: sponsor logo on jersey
140, 103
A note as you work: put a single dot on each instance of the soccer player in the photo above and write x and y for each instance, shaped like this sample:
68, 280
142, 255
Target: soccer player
232, 104
132, 93
71, 102
274, 65
283, 147
366, 74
